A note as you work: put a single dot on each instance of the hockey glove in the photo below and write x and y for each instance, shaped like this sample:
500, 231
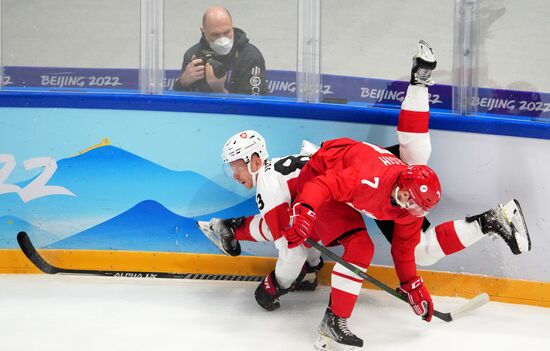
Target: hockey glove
307, 280
418, 297
301, 224
268, 292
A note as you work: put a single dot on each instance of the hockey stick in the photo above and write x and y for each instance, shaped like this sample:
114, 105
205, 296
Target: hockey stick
29, 250
474, 303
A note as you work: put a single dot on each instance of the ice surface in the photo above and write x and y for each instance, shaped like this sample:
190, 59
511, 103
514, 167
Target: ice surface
62, 313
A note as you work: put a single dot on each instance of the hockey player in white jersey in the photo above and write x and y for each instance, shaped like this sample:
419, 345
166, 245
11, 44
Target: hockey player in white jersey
246, 155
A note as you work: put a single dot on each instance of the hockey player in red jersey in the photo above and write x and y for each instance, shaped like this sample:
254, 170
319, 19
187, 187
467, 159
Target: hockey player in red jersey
372, 181
336, 222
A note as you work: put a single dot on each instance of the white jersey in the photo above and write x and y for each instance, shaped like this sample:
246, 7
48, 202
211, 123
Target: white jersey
275, 190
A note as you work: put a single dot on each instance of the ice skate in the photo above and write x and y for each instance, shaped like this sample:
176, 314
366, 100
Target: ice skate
423, 64
309, 281
220, 232
334, 335
308, 148
506, 221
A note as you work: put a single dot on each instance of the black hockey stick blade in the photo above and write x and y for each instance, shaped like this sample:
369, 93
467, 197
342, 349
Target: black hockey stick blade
32, 254
28, 249
444, 316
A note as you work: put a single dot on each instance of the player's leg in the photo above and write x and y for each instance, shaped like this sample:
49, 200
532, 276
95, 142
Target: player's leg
308, 280
289, 270
505, 221
412, 127
423, 64
226, 233
386, 227
345, 287
337, 223
222, 233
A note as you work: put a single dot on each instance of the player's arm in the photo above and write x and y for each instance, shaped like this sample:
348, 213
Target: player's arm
405, 238
339, 186
273, 200
277, 219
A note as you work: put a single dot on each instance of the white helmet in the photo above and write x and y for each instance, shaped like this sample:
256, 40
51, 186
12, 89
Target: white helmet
243, 145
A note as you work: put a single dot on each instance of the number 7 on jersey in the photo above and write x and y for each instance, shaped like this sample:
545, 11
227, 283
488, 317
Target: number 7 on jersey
372, 184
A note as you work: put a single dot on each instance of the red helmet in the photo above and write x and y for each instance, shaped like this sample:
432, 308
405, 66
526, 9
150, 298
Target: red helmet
423, 186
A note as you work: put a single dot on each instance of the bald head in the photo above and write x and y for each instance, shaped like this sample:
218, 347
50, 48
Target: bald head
217, 23
215, 15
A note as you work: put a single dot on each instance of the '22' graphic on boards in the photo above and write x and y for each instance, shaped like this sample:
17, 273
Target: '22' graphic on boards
37, 187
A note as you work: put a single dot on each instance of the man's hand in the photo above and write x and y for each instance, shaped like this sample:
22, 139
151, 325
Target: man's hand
193, 72
216, 84
418, 297
301, 225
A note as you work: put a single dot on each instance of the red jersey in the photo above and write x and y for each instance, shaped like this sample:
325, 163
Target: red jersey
365, 186
363, 176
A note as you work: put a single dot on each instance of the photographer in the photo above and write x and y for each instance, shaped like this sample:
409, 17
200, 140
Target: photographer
223, 61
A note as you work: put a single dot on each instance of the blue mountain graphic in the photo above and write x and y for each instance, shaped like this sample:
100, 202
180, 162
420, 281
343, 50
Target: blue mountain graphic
245, 208
148, 226
10, 226
109, 180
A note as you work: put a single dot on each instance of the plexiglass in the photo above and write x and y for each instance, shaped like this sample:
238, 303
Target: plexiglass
514, 42
367, 47
71, 44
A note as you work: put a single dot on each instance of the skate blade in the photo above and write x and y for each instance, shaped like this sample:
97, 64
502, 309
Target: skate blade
209, 233
515, 216
308, 148
324, 343
204, 226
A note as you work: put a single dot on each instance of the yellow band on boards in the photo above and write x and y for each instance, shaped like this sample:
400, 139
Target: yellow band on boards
439, 283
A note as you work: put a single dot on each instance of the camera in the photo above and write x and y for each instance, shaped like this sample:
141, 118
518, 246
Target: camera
209, 56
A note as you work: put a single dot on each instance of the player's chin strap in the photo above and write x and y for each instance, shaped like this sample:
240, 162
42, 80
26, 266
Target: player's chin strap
254, 174
396, 198
413, 207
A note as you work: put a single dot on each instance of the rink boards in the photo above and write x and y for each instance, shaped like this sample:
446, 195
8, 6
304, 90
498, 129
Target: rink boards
439, 283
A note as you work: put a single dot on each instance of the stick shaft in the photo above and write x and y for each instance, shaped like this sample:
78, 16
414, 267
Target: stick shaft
32, 254
441, 315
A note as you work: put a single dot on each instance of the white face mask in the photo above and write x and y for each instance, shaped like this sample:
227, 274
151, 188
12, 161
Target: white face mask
222, 46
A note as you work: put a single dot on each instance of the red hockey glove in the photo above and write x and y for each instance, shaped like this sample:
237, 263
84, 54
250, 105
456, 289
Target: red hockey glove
301, 224
418, 297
